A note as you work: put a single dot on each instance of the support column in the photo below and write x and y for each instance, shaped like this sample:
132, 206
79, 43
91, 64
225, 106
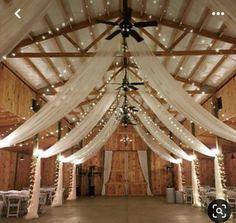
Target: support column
219, 158
58, 198
195, 175
180, 177
35, 179
72, 193
195, 183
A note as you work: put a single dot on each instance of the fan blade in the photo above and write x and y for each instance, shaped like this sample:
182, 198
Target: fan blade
115, 83
107, 22
132, 87
145, 24
136, 36
113, 35
136, 83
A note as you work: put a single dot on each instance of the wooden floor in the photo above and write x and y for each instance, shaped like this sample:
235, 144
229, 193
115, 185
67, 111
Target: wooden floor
121, 210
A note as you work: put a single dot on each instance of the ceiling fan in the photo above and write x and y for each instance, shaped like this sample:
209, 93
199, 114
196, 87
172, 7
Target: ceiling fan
126, 25
126, 85
125, 113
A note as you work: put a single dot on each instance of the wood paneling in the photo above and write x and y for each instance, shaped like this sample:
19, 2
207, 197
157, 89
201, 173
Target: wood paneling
15, 96
48, 171
230, 168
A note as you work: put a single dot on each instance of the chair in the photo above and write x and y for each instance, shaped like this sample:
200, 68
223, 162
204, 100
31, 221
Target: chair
13, 206
188, 197
42, 202
3, 205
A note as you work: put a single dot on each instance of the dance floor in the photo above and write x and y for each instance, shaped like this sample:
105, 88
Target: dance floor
121, 210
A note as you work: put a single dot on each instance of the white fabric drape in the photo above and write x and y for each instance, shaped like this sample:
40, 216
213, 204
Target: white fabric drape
95, 144
12, 29
196, 195
161, 80
81, 130
226, 6
218, 183
161, 137
72, 194
174, 126
32, 211
58, 198
75, 90
107, 170
180, 180
142, 156
154, 146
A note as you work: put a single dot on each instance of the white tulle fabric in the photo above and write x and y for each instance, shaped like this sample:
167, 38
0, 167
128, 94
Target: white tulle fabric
58, 198
75, 90
95, 144
196, 195
13, 29
154, 146
72, 194
161, 80
161, 137
180, 180
174, 126
81, 130
32, 211
218, 183
142, 156
107, 170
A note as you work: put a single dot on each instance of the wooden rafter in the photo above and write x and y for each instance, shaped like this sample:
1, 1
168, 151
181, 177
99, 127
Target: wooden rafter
185, 27
157, 53
65, 30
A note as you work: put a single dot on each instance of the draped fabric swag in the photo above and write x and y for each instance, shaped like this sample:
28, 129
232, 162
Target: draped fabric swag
161, 80
13, 29
142, 156
174, 126
58, 198
154, 146
161, 137
107, 170
95, 144
196, 195
32, 211
72, 194
75, 90
81, 130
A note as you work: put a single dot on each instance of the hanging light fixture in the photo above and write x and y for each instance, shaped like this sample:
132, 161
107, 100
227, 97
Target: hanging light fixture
126, 140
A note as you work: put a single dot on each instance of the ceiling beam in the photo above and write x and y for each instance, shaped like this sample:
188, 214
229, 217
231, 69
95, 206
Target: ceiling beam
65, 30
184, 27
157, 53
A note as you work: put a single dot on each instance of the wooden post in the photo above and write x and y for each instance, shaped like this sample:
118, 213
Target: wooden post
218, 160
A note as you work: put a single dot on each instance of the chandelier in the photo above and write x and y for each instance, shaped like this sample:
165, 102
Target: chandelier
126, 140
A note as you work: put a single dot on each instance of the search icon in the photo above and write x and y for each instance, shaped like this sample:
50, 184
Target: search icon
219, 211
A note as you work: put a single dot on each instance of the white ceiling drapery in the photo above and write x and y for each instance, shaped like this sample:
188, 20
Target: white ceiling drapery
154, 146
14, 29
162, 81
174, 126
81, 130
161, 137
75, 90
95, 144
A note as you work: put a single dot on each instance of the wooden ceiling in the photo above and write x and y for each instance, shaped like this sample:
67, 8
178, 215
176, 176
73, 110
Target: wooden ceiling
194, 46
